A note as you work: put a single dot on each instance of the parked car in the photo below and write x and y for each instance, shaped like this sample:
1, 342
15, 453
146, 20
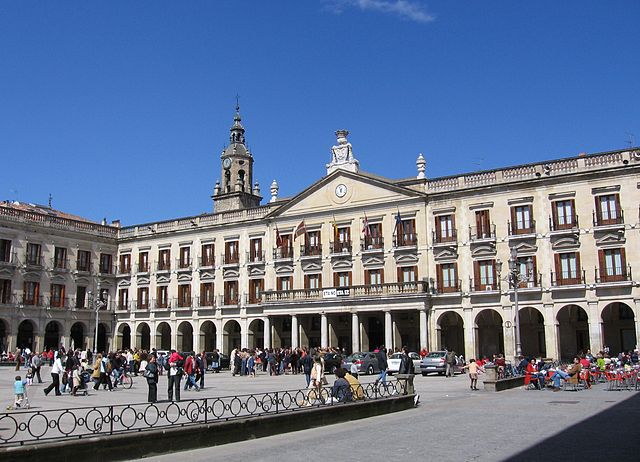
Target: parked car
223, 361
394, 362
366, 361
436, 361
332, 361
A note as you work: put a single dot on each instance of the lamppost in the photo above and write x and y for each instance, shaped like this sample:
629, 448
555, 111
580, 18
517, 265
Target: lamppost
515, 277
96, 304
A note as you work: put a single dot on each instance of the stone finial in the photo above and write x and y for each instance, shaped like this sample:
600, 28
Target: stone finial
422, 166
342, 154
274, 191
256, 189
216, 188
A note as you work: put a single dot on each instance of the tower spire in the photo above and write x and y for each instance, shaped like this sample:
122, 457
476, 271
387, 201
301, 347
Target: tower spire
237, 130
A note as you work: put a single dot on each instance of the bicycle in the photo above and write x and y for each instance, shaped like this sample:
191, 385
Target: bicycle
125, 379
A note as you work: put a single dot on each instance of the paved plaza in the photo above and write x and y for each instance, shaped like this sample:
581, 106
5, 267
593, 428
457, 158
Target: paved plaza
452, 423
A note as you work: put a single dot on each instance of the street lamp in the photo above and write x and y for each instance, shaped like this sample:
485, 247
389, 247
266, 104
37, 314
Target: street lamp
514, 278
97, 304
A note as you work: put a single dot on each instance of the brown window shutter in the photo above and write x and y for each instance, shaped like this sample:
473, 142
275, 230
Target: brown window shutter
415, 270
514, 217
578, 267
618, 209
63, 289
598, 209
556, 260
439, 277
336, 279
554, 214
399, 271
438, 231
476, 275
623, 260
306, 281
495, 276
382, 275
453, 222
320, 281
601, 260
367, 277
574, 214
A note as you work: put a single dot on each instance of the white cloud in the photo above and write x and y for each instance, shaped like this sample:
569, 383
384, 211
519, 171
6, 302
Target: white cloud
412, 10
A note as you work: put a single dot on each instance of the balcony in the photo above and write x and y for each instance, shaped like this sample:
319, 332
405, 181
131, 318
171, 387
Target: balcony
231, 259
125, 305
486, 286
229, 300
255, 257
482, 233
283, 253
206, 262
183, 302
163, 266
59, 302
184, 265
372, 244
447, 239
311, 251
80, 303
9, 260
405, 240
34, 261
521, 228
142, 268
28, 300
60, 265
571, 224
205, 302
614, 274
449, 287
158, 304
9, 299
83, 267
567, 278
340, 247
123, 270
107, 269
533, 282
612, 218
337, 293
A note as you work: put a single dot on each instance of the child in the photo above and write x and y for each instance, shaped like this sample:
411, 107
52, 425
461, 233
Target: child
473, 373
20, 390
251, 365
353, 370
30, 376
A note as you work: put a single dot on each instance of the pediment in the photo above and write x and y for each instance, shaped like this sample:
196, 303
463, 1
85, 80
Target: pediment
143, 280
407, 258
82, 281
6, 272
58, 279
342, 264
163, 279
566, 243
31, 276
311, 266
230, 273
372, 261
484, 251
105, 283
185, 277
611, 238
445, 254
525, 247
284, 269
207, 275
124, 283
361, 190
256, 271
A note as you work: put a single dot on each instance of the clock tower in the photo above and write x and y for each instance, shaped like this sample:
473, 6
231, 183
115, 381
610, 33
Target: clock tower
236, 189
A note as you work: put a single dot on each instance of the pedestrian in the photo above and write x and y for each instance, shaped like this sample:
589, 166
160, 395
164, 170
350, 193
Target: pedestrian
451, 362
381, 356
18, 358
307, 365
36, 364
77, 380
215, 361
56, 371
201, 362
20, 393
473, 368
151, 374
406, 363
190, 372
176, 363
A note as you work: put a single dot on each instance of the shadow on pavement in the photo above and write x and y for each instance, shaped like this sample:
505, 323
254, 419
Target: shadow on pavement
610, 435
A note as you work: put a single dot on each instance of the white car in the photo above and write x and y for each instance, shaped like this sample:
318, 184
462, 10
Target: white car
393, 363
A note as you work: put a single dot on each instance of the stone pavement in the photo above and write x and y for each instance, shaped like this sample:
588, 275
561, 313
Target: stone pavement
452, 423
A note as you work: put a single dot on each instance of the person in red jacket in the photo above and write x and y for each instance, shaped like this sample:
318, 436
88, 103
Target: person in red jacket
190, 371
175, 374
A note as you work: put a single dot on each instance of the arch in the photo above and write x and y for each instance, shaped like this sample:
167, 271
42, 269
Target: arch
208, 337
573, 330
490, 334
450, 328
26, 334
163, 336
4, 334
143, 336
52, 334
185, 336
231, 334
103, 330
618, 327
77, 334
532, 335
255, 332
123, 337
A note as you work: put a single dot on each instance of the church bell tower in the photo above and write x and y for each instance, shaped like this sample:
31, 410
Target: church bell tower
236, 190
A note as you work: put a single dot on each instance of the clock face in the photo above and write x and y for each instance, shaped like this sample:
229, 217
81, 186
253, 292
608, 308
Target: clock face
341, 190
226, 163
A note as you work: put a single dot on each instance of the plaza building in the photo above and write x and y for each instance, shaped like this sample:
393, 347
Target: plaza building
354, 261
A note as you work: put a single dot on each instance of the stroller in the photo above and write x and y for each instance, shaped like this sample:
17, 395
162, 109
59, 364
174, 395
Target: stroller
85, 378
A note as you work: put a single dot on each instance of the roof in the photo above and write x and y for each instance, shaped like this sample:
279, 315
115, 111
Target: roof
43, 209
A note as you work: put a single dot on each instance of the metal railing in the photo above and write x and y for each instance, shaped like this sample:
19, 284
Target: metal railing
386, 289
282, 253
446, 238
567, 278
483, 232
231, 258
183, 263
26, 427
451, 287
207, 262
405, 240
617, 274
521, 227
311, 250
10, 258
255, 257
60, 264
615, 217
34, 260
372, 243
555, 226
340, 247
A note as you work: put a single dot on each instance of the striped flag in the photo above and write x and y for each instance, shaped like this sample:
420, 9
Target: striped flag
300, 230
278, 238
365, 227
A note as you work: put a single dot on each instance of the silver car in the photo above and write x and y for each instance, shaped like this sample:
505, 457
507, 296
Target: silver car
366, 361
396, 358
436, 361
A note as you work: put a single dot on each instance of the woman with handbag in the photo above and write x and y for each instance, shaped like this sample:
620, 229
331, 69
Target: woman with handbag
151, 374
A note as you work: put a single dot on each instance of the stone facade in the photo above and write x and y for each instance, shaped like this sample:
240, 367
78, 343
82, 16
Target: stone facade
357, 261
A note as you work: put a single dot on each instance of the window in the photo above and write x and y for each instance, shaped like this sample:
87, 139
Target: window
164, 260
143, 262
5, 250
312, 244
207, 258
60, 258
374, 240
123, 299
529, 272
255, 290
255, 250
5, 291
231, 252
342, 279
206, 294
613, 266
406, 233
185, 257
285, 282
106, 262
483, 230
568, 269
231, 292
521, 221
374, 277
445, 228
447, 274
84, 260
184, 295
162, 297
313, 281
81, 295
407, 274
143, 298
484, 275
608, 210
285, 249
563, 214
104, 296
57, 296
31, 293
125, 263
34, 256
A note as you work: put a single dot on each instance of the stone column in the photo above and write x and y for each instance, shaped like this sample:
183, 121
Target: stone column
196, 339
424, 329
469, 334
295, 331
244, 333
595, 327
174, 336
152, 336
267, 332
550, 333
219, 335
637, 321
355, 332
388, 330
324, 331
509, 333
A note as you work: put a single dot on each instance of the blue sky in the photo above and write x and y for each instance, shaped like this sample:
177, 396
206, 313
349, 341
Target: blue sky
120, 109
